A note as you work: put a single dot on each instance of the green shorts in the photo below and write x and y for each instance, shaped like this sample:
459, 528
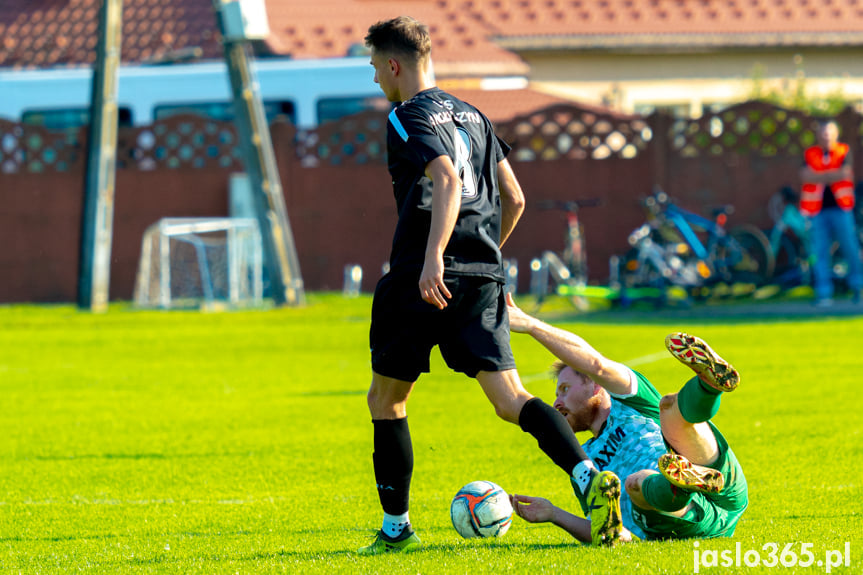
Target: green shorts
710, 515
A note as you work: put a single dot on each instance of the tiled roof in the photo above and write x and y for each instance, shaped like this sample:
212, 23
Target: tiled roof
622, 17
474, 31
41, 33
590, 24
470, 37
315, 28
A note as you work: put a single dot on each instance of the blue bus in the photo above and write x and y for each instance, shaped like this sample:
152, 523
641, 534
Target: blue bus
305, 92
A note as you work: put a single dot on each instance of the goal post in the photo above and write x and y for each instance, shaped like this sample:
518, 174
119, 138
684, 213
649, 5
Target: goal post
200, 262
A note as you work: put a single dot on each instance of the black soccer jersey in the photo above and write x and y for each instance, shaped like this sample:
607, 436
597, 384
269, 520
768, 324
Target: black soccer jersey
431, 124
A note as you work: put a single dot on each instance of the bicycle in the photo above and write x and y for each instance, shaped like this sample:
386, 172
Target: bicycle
570, 268
660, 262
680, 248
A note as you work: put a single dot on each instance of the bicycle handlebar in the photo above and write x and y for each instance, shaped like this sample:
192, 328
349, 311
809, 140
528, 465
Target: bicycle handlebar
659, 201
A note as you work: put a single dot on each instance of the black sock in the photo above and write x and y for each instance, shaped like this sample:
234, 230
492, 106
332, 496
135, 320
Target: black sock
553, 433
394, 463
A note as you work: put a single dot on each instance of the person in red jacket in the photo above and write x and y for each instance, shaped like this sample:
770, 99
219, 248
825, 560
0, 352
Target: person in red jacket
827, 198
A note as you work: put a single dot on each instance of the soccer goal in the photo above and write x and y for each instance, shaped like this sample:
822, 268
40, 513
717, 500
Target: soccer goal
200, 262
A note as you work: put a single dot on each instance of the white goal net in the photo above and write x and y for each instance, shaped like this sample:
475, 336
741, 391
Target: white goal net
200, 262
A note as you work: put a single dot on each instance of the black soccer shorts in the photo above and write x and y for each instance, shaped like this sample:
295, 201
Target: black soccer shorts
472, 331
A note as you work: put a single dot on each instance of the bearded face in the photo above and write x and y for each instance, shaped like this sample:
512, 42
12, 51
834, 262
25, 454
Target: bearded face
578, 399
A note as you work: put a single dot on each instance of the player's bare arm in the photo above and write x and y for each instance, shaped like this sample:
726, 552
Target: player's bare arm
511, 199
572, 350
446, 201
540, 510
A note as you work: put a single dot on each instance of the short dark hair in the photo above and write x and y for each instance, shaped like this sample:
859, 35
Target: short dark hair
402, 35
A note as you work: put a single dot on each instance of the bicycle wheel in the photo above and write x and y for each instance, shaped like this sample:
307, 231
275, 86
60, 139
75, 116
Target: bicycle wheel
756, 262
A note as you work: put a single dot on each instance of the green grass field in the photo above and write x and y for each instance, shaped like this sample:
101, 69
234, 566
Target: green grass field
240, 442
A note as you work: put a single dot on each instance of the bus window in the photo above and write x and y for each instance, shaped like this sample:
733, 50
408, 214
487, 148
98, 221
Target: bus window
280, 109
69, 118
223, 111
334, 108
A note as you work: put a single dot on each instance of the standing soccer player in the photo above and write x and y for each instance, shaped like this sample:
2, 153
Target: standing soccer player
458, 201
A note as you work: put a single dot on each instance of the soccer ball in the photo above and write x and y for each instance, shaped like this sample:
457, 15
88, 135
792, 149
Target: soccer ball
481, 509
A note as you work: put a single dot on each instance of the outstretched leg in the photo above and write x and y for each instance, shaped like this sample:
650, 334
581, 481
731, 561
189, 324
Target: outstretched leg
700, 460
514, 404
684, 420
684, 415
551, 430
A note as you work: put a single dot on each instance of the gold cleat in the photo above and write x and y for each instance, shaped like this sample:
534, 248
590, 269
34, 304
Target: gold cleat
681, 472
695, 353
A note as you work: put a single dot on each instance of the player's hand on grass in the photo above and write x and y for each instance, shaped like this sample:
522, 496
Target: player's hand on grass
432, 288
519, 321
532, 509
625, 535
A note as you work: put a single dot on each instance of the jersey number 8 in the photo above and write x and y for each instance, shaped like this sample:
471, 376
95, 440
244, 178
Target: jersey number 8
463, 165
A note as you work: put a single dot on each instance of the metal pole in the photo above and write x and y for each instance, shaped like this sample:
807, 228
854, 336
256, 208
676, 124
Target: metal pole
259, 159
94, 269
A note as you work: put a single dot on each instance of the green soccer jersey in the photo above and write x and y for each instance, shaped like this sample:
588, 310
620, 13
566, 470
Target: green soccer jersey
631, 440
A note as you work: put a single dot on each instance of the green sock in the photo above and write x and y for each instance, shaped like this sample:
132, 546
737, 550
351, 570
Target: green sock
698, 401
663, 495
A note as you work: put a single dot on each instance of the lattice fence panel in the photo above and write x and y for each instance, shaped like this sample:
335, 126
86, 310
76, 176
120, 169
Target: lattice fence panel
354, 140
568, 131
186, 141
35, 150
758, 127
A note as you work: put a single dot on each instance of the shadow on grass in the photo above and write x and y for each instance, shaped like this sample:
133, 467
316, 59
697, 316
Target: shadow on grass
848, 515
300, 556
20, 539
134, 456
337, 392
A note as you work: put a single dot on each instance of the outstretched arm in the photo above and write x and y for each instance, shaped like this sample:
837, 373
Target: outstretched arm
572, 350
539, 510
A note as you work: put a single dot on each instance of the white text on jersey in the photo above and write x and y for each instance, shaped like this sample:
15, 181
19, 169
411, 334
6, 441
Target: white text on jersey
460, 117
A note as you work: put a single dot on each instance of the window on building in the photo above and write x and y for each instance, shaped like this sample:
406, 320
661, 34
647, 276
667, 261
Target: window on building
224, 111
330, 109
62, 119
